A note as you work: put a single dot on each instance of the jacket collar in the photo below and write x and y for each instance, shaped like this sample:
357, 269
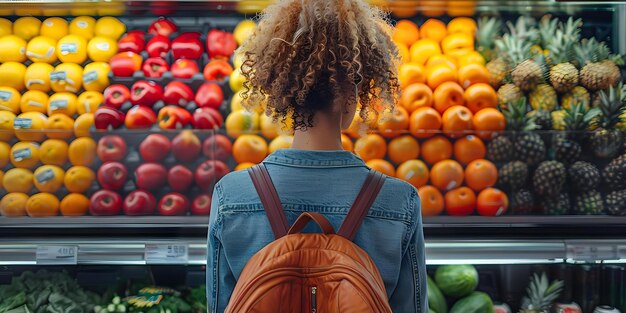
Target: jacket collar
314, 158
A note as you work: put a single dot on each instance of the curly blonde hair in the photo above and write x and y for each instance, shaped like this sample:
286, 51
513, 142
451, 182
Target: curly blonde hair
311, 55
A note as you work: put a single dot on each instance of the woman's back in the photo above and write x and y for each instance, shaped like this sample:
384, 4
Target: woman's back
326, 182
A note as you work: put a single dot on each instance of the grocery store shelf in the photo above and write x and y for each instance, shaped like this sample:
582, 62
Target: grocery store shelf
129, 251
106, 222
522, 221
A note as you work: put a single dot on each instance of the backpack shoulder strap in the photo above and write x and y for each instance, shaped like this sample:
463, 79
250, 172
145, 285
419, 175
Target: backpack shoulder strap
364, 200
270, 200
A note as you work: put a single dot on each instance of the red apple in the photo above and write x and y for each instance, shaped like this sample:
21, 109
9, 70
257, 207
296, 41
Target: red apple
173, 203
150, 176
155, 148
139, 202
112, 175
180, 178
210, 172
105, 202
217, 147
186, 146
111, 148
201, 205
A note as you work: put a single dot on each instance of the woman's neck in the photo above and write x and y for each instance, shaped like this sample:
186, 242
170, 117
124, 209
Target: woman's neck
324, 135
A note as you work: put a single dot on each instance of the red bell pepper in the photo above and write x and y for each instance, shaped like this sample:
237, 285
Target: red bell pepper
155, 67
107, 117
220, 44
187, 46
217, 70
177, 93
133, 41
115, 95
158, 46
183, 68
140, 117
207, 118
209, 95
145, 93
163, 27
173, 117
124, 64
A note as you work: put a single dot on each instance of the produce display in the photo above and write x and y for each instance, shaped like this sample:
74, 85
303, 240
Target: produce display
456, 285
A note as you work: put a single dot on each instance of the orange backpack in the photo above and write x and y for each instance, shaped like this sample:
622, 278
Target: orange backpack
313, 273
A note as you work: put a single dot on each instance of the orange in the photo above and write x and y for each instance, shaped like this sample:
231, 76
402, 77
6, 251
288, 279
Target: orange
18, 180
416, 96
346, 143
359, 127
403, 51
250, 148
382, 166
447, 95
410, 73
24, 154
440, 74
424, 122
432, 201
406, 32
83, 124
393, 124
473, 74
461, 7
13, 204
460, 201
402, 149
471, 58
59, 126
241, 122
243, 166
415, 172
423, 49
480, 174
458, 44
492, 202
370, 146
82, 151
403, 9
468, 149
439, 60
488, 122
432, 8
5, 151
457, 121
74, 204
48, 178
79, 179
480, 96
433, 29
436, 149
446, 175
280, 142
42, 205
462, 25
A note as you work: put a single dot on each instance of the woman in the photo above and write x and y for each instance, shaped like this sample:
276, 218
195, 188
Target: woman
314, 61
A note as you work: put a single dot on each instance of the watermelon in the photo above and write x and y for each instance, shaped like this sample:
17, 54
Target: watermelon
476, 302
436, 301
456, 280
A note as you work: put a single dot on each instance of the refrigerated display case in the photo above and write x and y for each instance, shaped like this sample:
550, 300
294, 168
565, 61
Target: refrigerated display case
123, 248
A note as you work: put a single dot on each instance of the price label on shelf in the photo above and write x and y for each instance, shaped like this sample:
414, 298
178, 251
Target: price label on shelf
591, 252
57, 255
167, 253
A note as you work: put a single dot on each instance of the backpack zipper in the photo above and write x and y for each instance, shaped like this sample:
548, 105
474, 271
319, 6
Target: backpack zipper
313, 299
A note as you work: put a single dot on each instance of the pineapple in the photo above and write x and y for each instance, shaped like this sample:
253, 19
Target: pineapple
566, 150
615, 203
522, 202
508, 93
541, 294
486, 33
567, 146
543, 97
598, 69
577, 94
525, 29
528, 74
549, 178
559, 205
500, 149
498, 70
564, 75
513, 175
558, 119
606, 140
543, 119
529, 147
514, 50
614, 174
547, 28
584, 176
588, 203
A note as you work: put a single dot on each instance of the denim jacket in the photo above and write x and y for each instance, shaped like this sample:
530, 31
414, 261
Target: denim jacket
326, 182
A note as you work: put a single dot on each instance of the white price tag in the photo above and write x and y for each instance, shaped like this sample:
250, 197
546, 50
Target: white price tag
57, 255
591, 252
167, 253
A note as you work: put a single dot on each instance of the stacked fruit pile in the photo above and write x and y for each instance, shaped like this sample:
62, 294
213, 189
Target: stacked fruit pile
457, 284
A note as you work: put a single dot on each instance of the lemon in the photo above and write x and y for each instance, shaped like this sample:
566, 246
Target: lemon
83, 125
48, 178
42, 205
18, 180
5, 152
29, 126
96, 76
101, 49
243, 30
37, 76
24, 154
110, 27
67, 77
62, 102
72, 49
26, 27
83, 26
89, 101
13, 204
5, 27
10, 99
42, 49
6, 125
236, 80
53, 152
12, 48
34, 101
60, 126
54, 27
12, 75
